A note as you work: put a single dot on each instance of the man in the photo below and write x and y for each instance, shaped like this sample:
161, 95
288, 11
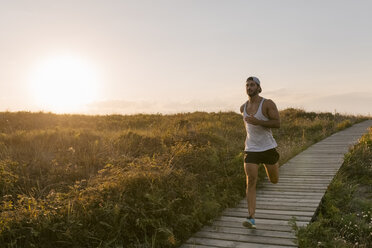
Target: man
259, 115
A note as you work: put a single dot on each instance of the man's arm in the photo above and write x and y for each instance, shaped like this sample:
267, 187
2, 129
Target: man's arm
272, 114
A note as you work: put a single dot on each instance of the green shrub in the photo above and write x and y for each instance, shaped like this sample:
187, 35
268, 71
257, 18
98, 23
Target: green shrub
344, 124
8, 178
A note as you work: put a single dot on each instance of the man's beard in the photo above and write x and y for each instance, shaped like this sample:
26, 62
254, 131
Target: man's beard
253, 93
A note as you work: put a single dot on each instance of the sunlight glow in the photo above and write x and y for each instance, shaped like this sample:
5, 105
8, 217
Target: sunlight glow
64, 84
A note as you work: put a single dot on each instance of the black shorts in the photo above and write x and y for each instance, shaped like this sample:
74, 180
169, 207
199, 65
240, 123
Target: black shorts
266, 157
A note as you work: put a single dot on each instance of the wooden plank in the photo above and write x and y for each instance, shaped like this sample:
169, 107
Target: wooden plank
299, 180
246, 231
267, 204
325, 148
328, 144
287, 212
284, 182
299, 199
307, 168
245, 238
268, 190
266, 216
260, 204
284, 179
295, 190
268, 227
288, 193
340, 152
314, 173
264, 192
211, 242
285, 189
302, 169
312, 158
262, 221
297, 187
313, 162
195, 246
298, 172
312, 165
282, 198
310, 162
315, 156
318, 154
316, 177
309, 173
290, 203
305, 179
268, 200
294, 208
286, 196
296, 184
228, 244
318, 165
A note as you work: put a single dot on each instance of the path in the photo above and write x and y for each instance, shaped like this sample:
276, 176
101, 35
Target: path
303, 181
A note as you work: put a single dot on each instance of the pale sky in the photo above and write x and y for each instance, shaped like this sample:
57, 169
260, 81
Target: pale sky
124, 57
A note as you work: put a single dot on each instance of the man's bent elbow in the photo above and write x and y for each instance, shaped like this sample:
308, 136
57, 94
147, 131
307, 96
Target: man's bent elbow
276, 124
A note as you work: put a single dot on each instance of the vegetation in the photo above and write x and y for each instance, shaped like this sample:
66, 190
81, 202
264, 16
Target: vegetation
345, 214
129, 181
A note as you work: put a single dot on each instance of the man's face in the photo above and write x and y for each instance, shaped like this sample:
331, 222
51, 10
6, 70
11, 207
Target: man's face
252, 88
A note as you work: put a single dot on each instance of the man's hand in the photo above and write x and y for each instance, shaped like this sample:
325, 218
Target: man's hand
252, 120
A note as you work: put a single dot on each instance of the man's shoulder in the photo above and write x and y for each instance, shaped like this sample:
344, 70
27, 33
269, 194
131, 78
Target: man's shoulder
268, 105
269, 102
242, 107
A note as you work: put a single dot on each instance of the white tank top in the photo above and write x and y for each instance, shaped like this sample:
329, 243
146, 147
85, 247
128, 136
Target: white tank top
259, 138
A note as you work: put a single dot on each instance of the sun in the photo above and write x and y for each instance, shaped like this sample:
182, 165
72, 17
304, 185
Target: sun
64, 84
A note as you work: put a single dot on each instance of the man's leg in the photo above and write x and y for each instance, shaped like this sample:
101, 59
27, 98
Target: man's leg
251, 172
272, 171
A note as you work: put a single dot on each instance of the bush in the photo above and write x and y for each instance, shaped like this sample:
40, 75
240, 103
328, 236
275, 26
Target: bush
344, 124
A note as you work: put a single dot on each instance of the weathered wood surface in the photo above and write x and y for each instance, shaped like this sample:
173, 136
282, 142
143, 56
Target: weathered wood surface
303, 181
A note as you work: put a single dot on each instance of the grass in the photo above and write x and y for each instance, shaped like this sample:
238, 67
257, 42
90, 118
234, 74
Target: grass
129, 181
345, 215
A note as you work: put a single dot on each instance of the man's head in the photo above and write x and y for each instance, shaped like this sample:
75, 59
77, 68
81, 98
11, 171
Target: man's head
253, 86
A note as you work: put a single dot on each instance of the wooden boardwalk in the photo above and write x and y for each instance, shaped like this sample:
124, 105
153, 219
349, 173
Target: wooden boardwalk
303, 181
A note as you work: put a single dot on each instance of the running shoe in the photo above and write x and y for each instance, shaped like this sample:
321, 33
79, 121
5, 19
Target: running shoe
250, 223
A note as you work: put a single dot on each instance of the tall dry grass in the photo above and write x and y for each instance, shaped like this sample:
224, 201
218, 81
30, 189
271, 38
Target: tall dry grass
129, 181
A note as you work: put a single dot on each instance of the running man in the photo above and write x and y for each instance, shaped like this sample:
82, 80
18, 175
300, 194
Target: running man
259, 115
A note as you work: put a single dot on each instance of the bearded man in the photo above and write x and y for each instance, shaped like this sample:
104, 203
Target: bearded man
259, 115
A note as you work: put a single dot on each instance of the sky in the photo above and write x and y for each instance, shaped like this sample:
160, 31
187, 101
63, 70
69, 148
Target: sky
170, 56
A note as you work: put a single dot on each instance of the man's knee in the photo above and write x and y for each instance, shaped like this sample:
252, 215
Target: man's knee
272, 172
274, 180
